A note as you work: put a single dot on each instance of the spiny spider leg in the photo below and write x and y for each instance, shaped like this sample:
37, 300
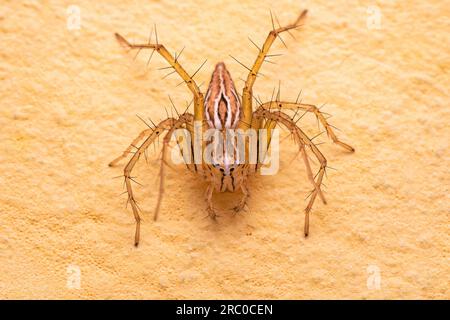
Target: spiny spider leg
173, 61
303, 140
183, 119
245, 196
208, 196
308, 108
251, 78
133, 144
167, 124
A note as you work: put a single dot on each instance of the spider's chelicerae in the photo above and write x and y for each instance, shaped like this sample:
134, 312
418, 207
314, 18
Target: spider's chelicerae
224, 110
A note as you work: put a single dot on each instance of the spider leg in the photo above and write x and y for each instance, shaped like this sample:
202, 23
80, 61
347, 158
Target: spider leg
185, 118
245, 196
208, 195
308, 108
133, 144
166, 124
263, 52
173, 62
304, 141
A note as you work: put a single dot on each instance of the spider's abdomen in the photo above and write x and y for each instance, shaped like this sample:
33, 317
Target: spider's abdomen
222, 104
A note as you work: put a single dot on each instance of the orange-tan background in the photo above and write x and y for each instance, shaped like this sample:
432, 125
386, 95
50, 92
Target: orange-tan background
68, 99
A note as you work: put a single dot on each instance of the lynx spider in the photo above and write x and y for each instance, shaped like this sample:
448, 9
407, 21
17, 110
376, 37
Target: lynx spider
221, 108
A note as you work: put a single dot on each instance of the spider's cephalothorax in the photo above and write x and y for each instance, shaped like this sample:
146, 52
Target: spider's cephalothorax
222, 104
222, 110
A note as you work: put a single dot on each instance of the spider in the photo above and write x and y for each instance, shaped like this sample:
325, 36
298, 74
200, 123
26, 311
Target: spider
223, 109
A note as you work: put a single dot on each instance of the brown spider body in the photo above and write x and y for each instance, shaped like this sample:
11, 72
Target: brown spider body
222, 104
221, 110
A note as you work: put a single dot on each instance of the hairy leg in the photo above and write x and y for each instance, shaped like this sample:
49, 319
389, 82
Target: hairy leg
245, 196
167, 124
263, 52
308, 108
184, 119
133, 144
208, 196
303, 141
173, 62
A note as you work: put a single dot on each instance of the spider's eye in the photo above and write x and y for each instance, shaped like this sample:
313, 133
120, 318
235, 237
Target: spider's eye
231, 169
221, 170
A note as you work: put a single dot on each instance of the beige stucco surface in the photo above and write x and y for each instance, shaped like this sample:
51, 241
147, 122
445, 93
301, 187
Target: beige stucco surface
68, 100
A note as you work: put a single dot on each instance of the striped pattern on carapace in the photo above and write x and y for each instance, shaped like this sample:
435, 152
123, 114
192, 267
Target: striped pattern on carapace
222, 104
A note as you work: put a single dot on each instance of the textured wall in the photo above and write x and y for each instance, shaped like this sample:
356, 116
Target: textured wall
68, 104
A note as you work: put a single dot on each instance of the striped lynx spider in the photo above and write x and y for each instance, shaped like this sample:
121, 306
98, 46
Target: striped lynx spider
223, 110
